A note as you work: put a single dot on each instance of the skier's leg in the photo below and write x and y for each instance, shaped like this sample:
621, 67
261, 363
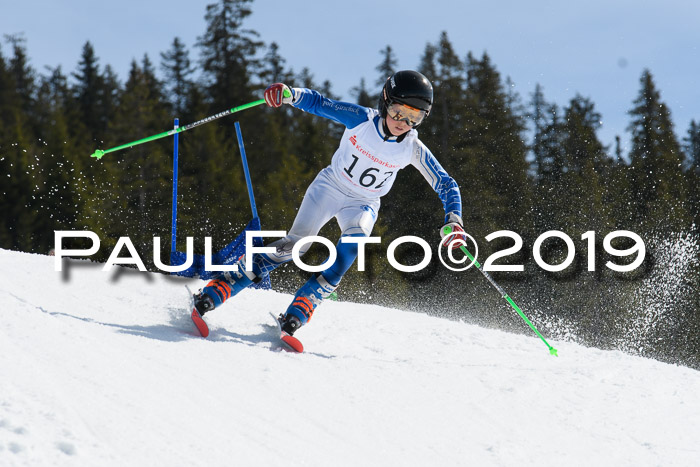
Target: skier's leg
230, 283
356, 221
224, 286
317, 208
318, 288
321, 202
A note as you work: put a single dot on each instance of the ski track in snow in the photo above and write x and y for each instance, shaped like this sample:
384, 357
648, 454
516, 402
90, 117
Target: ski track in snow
106, 369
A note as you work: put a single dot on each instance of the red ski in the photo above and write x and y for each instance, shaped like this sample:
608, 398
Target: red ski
290, 342
199, 323
196, 317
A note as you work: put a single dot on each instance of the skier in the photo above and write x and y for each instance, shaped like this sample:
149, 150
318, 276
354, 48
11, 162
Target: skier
374, 146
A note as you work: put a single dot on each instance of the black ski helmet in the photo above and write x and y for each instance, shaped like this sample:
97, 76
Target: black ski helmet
407, 87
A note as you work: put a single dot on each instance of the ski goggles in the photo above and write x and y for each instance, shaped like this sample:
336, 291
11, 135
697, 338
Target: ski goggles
405, 113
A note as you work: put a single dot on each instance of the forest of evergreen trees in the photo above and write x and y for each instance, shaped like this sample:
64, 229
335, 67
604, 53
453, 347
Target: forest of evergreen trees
524, 164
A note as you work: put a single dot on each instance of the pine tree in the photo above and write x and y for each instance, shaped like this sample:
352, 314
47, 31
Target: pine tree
494, 141
618, 150
427, 62
228, 53
229, 63
274, 124
23, 74
178, 70
277, 139
139, 178
213, 200
88, 91
538, 116
9, 100
692, 174
313, 139
581, 145
58, 200
9, 107
18, 148
656, 158
109, 100
692, 147
548, 148
362, 95
553, 160
448, 106
273, 67
386, 67
206, 159
24, 78
580, 195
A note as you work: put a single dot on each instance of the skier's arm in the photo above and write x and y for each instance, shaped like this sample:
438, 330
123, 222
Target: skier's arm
313, 102
444, 185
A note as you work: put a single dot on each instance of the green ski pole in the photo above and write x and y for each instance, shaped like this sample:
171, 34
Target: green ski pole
448, 230
99, 152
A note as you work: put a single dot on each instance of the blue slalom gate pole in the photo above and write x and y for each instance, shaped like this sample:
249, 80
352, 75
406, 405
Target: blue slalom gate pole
173, 231
246, 171
232, 251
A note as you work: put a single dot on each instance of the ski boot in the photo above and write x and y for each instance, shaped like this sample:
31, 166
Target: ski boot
223, 287
203, 302
307, 298
289, 323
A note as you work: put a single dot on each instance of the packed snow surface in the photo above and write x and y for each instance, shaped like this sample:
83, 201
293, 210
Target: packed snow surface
106, 369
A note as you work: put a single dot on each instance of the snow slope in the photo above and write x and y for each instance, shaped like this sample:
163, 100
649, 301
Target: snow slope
105, 369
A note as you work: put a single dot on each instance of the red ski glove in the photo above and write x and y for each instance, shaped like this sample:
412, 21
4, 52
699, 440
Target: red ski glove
278, 94
454, 222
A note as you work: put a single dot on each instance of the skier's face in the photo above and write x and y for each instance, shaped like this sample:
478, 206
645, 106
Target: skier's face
397, 128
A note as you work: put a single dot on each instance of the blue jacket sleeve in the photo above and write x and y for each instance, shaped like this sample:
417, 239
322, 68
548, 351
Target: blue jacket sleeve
346, 113
445, 186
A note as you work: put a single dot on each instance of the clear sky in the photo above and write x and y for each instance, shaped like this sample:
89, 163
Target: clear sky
597, 48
